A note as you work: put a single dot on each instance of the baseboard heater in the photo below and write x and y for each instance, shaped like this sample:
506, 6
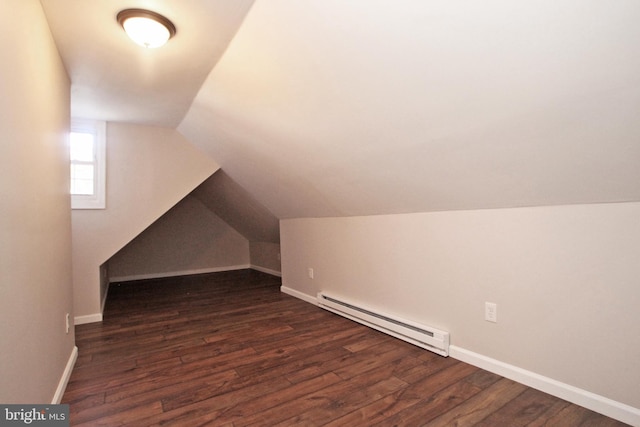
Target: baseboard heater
426, 337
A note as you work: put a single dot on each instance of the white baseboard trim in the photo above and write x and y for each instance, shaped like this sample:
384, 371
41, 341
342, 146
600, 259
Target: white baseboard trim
603, 405
97, 317
64, 380
266, 270
611, 408
299, 295
177, 273
89, 318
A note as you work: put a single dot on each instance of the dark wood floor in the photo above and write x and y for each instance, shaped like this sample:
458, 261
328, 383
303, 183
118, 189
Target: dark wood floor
228, 349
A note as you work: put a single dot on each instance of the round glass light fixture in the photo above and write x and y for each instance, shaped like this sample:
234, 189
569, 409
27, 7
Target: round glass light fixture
146, 28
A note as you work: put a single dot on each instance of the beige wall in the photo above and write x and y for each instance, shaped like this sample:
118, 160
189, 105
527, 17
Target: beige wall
149, 169
189, 238
265, 256
565, 280
35, 225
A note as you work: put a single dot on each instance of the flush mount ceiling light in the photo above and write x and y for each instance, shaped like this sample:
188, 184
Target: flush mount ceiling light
146, 28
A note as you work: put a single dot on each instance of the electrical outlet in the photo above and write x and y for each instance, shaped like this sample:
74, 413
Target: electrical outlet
491, 312
310, 273
67, 323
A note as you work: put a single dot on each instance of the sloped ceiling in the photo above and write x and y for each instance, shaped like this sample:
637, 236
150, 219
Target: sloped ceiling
115, 80
235, 206
331, 107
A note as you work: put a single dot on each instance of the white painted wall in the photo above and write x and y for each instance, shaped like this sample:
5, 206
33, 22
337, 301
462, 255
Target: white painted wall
565, 280
189, 238
35, 222
149, 169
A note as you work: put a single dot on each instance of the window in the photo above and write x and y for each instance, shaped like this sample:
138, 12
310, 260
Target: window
88, 164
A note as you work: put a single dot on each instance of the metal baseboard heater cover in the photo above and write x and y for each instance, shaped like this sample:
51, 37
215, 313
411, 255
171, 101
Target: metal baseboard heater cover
426, 337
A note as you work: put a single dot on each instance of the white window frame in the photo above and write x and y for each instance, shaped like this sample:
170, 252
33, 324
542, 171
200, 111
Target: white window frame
99, 131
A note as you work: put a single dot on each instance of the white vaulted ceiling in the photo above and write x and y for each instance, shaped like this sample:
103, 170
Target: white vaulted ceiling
332, 107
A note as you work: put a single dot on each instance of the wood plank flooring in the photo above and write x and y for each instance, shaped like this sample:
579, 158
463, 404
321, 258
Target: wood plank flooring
229, 349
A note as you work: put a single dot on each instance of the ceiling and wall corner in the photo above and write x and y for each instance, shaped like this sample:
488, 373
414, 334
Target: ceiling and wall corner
189, 238
228, 200
331, 108
115, 80
216, 226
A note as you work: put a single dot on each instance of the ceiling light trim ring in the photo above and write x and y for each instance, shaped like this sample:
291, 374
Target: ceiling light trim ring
125, 14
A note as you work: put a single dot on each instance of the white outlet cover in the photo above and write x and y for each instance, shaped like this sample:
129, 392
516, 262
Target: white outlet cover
491, 312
